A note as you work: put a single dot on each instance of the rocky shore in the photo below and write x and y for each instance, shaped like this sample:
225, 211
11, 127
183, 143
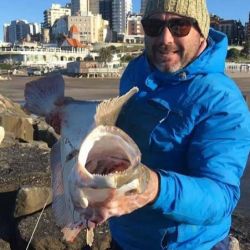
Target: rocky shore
25, 189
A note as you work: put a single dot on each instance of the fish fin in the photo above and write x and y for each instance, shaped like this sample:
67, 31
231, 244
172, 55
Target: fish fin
59, 206
107, 111
42, 94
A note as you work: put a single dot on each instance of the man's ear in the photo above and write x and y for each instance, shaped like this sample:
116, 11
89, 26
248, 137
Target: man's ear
202, 39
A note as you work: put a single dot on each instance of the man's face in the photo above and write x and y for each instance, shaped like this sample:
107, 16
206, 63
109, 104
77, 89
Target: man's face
169, 53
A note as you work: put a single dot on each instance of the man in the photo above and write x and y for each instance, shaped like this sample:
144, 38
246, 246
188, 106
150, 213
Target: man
192, 126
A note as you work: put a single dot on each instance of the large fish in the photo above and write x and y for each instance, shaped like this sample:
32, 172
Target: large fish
91, 152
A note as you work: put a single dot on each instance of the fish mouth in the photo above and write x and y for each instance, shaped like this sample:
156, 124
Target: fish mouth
108, 150
107, 165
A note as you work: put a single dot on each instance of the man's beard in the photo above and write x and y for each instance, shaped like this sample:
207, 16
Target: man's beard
162, 55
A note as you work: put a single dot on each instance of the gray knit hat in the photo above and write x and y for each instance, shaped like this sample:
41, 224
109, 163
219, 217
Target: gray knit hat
196, 9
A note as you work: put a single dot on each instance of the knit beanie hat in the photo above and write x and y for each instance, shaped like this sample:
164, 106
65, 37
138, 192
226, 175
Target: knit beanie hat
196, 9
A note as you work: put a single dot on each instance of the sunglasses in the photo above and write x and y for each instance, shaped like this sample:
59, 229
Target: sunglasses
178, 27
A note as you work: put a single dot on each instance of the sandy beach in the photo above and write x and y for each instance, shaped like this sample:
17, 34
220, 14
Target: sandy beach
98, 89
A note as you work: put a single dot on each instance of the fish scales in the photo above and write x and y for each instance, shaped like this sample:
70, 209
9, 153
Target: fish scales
91, 152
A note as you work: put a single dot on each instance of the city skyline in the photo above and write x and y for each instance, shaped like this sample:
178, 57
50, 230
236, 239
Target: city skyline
226, 9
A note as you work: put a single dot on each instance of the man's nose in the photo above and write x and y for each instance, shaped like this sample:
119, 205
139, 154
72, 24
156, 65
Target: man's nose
166, 36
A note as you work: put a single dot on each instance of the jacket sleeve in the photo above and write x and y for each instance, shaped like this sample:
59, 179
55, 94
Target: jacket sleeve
216, 158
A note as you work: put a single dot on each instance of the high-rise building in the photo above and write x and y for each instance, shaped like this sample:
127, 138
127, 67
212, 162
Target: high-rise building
106, 10
80, 7
18, 30
94, 6
34, 28
52, 14
120, 11
248, 30
143, 6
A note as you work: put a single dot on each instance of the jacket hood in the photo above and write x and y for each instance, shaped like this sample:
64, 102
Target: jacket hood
211, 60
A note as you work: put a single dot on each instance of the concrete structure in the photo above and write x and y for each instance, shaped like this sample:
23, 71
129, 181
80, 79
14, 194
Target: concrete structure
120, 11
52, 14
43, 57
134, 26
45, 35
92, 28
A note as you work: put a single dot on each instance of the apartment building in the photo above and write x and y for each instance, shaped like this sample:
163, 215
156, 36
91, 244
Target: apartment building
234, 29
17, 31
134, 26
54, 13
92, 28
120, 11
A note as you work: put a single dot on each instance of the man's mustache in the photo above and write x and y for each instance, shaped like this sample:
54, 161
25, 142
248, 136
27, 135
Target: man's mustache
163, 48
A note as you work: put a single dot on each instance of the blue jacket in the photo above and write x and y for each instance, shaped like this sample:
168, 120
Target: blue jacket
193, 128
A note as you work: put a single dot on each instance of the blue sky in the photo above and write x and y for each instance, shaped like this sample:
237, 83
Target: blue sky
32, 10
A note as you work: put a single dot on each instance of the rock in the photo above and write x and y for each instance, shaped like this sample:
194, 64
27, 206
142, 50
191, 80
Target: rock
44, 132
32, 199
2, 134
20, 127
233, 243
48, 234
23, 164
241, 230
4, 245
14, 120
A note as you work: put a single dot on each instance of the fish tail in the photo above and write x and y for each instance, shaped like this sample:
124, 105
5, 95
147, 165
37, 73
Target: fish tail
42, 94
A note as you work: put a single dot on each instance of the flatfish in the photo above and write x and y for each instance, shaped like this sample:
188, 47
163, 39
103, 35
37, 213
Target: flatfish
91, 153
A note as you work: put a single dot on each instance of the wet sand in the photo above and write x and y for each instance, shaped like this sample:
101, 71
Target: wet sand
98, 89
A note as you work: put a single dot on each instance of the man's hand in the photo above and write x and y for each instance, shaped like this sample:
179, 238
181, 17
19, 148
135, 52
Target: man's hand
117, 203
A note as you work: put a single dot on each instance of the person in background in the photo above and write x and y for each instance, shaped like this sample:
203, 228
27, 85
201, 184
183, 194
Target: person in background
192, 126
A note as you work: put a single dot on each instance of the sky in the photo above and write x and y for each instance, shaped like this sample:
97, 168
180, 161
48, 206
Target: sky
32, 10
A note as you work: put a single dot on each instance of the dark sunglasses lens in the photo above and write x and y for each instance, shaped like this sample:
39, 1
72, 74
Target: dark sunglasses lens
180, 27
152, 27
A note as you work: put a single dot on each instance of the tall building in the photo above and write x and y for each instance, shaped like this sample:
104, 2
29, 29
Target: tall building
80, 7
248, 30
94, 6
92, 28
106, 10
18, 30
52, 14
143, 6
34, 28
6, 31
120, 11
